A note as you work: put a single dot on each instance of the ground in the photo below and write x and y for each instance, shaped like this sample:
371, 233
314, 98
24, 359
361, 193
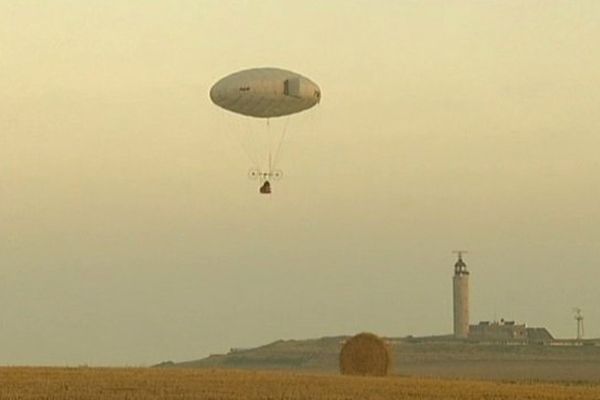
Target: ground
183, 383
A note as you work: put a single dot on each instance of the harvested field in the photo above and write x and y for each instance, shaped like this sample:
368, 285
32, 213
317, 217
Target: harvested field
146, 383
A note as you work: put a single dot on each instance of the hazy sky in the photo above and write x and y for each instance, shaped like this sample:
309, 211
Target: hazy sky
130, 234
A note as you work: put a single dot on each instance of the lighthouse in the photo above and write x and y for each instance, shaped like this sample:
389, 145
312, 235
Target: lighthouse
460, 282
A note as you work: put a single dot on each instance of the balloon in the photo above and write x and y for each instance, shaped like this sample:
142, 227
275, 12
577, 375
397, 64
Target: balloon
265, 92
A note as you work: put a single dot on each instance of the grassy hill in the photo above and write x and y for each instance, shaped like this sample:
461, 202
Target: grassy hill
439, 356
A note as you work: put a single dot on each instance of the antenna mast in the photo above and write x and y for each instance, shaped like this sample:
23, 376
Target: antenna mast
579, 319
460, 253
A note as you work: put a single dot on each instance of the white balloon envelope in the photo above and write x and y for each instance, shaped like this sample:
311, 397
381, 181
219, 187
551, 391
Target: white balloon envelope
265, 92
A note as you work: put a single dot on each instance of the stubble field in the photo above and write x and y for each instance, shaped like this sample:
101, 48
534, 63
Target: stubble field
145, 383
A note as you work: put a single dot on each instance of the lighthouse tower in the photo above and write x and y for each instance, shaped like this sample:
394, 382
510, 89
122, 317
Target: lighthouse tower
461, 297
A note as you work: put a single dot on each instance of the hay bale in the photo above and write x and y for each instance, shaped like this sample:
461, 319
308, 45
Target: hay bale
365, 354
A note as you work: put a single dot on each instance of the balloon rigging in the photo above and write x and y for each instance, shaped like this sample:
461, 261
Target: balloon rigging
266, 93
